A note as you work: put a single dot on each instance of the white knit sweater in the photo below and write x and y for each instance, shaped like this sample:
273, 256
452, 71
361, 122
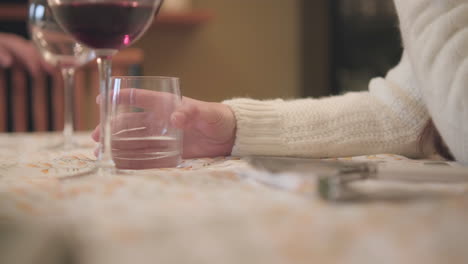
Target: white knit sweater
432, 77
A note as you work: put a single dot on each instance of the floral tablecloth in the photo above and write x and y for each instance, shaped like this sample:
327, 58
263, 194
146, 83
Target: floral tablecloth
207, 211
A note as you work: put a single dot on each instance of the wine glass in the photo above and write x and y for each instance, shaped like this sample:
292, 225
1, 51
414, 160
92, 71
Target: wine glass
59, 49
106, 26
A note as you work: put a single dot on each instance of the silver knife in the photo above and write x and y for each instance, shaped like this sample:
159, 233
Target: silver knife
335, 176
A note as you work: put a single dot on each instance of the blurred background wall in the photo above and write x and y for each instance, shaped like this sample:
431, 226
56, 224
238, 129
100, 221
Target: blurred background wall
249, 48
259, 48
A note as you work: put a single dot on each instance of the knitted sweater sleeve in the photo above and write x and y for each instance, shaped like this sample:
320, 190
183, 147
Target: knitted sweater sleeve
435, 34
387, 119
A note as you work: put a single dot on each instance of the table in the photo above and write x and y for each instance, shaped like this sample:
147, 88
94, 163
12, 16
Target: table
207, 211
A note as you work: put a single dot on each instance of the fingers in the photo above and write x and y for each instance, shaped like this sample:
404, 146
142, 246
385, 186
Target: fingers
156, 113
15, 49
6, 59
213, 120
24, 54
145, 162
47, 67
135, 144
96, 132
185, 116
145, 154
144, 98
29, 57
127, 125
129, 130
141, 141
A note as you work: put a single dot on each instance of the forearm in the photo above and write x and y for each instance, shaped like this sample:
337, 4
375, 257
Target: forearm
348, 125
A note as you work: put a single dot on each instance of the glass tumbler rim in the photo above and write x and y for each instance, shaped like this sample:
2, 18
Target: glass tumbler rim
147, 77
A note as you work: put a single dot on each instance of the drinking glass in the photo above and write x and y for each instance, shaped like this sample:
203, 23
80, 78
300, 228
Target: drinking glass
142, 134
62, 51
106, 26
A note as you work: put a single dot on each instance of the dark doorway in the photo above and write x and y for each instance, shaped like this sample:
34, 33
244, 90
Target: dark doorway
349, 42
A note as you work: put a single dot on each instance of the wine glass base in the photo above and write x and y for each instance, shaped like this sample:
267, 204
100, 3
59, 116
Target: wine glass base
56, 164
95, 171
78, 174
62, 147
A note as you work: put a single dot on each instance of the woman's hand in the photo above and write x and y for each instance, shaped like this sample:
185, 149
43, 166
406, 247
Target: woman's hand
209, 128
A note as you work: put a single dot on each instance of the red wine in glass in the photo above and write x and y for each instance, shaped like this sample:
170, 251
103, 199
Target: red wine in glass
107, 25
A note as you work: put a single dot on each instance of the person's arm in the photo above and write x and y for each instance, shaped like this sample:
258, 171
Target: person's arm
435, 34
387, 119
15, 50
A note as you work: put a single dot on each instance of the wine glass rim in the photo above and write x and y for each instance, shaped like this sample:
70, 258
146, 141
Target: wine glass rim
167, 78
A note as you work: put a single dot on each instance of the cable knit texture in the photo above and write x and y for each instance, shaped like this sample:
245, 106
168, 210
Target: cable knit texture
389, 118
435, 33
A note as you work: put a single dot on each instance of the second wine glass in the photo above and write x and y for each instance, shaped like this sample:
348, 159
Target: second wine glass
59, 49
106, 26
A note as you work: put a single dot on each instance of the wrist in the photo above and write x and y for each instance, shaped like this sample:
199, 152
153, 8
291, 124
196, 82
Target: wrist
229, 126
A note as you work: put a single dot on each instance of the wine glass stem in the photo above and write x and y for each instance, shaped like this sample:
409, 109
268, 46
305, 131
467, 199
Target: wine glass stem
105, 154
69, 80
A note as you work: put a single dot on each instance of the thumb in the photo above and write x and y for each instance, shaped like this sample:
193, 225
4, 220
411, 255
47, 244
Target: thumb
214, 120
185, 116
197, 113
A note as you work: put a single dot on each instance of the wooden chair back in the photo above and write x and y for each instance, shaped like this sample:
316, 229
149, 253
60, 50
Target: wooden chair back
28, 104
